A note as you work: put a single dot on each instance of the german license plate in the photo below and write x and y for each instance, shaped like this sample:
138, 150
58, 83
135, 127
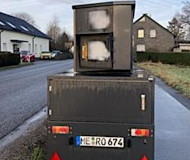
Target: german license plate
92, 141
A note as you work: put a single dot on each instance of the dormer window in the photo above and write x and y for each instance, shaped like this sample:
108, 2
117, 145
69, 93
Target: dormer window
24, 28
1, 23
11, 25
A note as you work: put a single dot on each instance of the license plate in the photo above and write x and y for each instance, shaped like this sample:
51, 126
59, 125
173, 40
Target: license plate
91, 141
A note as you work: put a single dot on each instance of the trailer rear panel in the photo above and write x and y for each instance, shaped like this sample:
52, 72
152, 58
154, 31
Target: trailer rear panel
100, 118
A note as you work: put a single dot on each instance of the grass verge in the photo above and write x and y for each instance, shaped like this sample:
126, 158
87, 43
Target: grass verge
38, 153
16, 66
177, 77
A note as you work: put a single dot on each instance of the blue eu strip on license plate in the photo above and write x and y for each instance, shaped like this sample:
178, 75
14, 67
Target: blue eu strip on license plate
97, 141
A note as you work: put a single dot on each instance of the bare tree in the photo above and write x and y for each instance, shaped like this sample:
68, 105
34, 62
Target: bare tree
176, 28
185, 16
53, 31
26, 17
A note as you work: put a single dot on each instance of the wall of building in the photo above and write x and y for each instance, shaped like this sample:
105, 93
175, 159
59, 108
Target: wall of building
34, 45
182, 48
163, 42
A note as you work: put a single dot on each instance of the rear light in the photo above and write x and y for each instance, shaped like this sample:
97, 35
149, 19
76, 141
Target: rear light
144, 158
55, 156
60, 129
140, 132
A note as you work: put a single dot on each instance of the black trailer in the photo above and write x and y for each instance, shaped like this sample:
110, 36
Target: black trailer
103, 110
99, 117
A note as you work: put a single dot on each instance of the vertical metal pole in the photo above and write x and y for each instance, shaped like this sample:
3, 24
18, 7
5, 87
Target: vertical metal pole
0, 39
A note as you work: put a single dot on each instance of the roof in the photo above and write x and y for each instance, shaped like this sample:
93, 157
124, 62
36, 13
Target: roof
145, 15
104, 4
15, 24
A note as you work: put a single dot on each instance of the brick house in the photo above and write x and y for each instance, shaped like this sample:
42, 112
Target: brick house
151, 36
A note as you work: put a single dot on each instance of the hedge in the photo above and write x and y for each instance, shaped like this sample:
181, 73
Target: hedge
166, 58
8, 59
64, 55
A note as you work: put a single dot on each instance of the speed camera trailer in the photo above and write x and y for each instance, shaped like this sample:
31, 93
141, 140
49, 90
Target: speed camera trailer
103, 37
95, 115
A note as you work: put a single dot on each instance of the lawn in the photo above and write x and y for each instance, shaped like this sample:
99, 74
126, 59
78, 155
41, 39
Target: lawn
177, 77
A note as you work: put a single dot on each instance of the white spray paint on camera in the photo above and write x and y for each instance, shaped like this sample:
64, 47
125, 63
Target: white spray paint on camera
97, 50
99, 19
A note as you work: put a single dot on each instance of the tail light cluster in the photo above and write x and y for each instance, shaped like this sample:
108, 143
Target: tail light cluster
60, 129
140, 132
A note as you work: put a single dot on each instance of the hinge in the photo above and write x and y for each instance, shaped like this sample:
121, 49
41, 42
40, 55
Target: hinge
143, 102
50, 112
50, 88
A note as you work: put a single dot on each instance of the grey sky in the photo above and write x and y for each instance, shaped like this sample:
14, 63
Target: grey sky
44, 10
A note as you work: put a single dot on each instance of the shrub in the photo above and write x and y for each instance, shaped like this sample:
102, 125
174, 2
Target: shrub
64, 55
8, 59
166, 58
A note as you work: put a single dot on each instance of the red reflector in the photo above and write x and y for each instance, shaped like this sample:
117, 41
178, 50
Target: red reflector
60, 129
55, 156
140, 132
144, 158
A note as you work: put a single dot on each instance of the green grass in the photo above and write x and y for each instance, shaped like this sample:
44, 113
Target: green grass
177, 77
37, 154
16, 66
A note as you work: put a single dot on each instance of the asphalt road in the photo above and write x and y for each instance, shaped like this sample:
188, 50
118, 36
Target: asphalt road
23, 92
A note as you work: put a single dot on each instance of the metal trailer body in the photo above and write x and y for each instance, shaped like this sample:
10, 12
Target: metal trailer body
91, 109
109, 24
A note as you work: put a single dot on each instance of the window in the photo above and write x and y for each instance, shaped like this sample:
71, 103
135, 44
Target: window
141, 33
29, 47
1, 23
4, 46
140, 48
152, 33
24, 28
41, 48
36, 49
10, 24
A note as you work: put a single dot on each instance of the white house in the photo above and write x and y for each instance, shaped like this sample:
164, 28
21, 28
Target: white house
17, 35
182, 47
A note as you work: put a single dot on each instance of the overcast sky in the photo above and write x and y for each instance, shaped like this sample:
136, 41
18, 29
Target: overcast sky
44, 10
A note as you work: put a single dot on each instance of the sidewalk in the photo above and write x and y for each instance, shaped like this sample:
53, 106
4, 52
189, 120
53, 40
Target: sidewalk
172, 125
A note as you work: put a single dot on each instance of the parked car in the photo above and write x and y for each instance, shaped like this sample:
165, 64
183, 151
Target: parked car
46, 55
55, 53
26, 56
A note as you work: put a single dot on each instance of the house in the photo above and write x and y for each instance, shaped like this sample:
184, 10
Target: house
17, 35
150, 36
182, 46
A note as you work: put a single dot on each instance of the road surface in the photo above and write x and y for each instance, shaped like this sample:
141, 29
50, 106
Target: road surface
23, 92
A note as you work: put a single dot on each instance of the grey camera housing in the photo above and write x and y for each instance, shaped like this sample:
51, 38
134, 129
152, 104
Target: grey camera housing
116, 36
